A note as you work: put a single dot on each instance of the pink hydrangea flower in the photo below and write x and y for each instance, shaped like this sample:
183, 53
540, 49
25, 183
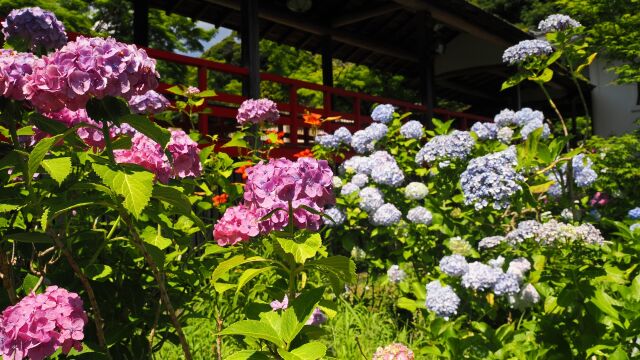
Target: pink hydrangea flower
317, 316
89, 67
280, 305
14, 67
92, 136
149, 103
599, 198
238, 224
192, 90
40, 324
186, 161
257, 111
306, 182
395, 351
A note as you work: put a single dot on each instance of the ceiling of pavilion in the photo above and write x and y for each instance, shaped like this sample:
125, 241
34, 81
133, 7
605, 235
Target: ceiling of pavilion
382, 34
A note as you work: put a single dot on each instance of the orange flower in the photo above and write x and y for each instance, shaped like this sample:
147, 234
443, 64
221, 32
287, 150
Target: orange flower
279, 134
241, 170
312, 118
220, 199
304, 153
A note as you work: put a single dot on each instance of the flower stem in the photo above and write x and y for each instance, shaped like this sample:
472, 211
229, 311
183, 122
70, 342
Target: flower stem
555, 108
107, 140
7, 278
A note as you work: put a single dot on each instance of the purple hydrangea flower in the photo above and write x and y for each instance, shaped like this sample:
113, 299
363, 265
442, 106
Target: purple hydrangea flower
395, 274
557, 22
383, 113
34, 27
442, 300
412, 129
455, 146
257, 111
454, 265
150, 102
485, 131
525, 50
386, 215
14, 67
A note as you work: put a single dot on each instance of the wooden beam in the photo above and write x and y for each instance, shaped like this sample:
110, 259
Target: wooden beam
313, 27
424, 29
266, 29
461, 89
250, 49
141, 22
327, 61
363, 13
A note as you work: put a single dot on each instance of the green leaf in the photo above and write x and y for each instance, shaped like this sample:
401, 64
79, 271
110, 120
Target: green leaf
152, 130
206, 93
604, 302
235, 261
541, 188
310, 351
38, 153
545, 77
135, 187
25, 131
29, 283
341, 266
301, 249
30, 237
304, 304
513, 81
255, 329
237, 140
408, 304
173, 197
98, 272
106, 109
249, 355
122, 142
588, 62
249, 274
176, 90
58, 168
154, 237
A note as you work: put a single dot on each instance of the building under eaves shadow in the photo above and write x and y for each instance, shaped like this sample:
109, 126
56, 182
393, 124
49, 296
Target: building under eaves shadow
445, 48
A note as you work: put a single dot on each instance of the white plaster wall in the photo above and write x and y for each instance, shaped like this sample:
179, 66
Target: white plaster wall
614, 106
466, 51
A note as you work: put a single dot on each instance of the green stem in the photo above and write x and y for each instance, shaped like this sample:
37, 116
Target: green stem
555, 108
107, 140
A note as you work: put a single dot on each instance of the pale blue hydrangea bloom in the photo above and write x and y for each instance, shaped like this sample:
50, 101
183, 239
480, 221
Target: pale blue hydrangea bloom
527, 297
485, 131
534, 125
525, 50
348, 188
362, 142
442, 300
455, 146
491, 179
566, 214
589, 234
584, 175
386, 215
387, 173
507, 284
480, 276
497, 263
412, 129
383, 113
328, 141
526, 230
526, 115
358, 164
336, 215
454, 265
634, 227
634, 213
557, 22
336, 182
395, 274
490, 242
360, 180
379, 157
416, 191
505, 117
420, 215
343, 135
377, 131
519, 267
371, 199
505, 134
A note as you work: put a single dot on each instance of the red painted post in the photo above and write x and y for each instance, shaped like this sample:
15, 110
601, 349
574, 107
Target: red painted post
293, 113
203, 119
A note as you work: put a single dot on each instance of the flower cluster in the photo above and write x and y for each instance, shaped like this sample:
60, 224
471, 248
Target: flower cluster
491, 178
150, 102
485, 131
455, 146
395, 274
442, 300
387, 173
505, 134
317, 316
185, 153
525, 50
327, 141
553, 232
634, 213
363, 141
257, 111
14, 67
371, 199
527, 119
360, 180
416, 191
40, 324
505, 117
280, 182
383, 113
239, 223
336, 215
343, 135
386, 215
35, 28
557, 22
89, 67
454, 265
412, 129
395, 351
420, 215
583, 175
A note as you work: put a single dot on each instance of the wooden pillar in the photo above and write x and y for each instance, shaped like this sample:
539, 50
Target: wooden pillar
425, 30
327, 73
141, 22
250, 48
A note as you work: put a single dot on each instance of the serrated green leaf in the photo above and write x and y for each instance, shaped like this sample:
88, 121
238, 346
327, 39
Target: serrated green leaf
44, 219
343, 267
229, 264
152, 130
255, 329
310, 351
58, 168
154, 237
237, 140
301, 249
206, 93
38, 153
136, 187
249, 274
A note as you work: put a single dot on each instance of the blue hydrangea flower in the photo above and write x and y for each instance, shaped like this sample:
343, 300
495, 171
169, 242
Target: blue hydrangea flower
420, 215
519, 267
387, 173
506, 117
343, 135
566, 214
557, 22
507, 284
383, 113
505, 134
455, 146
634, 227
395, 274
336, 182
360, 180
442, 300
490, 242
377, 131
583, 174
358, 164
386, 215
480, 276
454, 265
348, 188
527, 297
526, 115
526, 230
328, 141
634, 213
336, 215
497, 262
588, 234
532, 126
485, 131
525, 50
412, 129
416, 191
362, 142
371, 199
491, 179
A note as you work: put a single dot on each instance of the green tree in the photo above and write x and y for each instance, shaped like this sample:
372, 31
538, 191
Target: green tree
72, 13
